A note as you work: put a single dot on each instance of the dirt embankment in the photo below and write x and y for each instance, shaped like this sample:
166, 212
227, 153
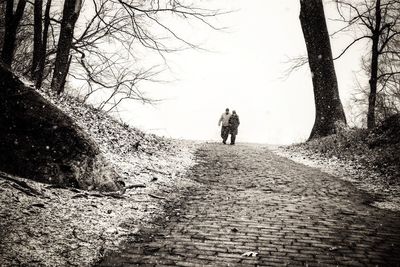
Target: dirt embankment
43, 225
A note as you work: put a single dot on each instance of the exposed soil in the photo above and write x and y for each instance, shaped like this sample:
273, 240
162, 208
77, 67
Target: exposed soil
70, 227
43, 225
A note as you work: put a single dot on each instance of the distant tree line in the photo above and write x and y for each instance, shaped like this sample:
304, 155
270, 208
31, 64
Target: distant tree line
43, 39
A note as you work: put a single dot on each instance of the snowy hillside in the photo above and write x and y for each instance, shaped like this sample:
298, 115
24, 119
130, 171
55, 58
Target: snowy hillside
53, 226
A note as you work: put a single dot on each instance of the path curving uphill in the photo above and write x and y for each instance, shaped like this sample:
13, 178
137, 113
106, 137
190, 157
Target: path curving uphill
250, 207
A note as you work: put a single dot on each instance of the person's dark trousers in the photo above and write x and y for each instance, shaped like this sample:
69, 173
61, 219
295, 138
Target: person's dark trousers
233, 139
224, 133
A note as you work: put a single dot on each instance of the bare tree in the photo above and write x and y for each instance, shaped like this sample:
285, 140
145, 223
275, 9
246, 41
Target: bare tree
37, 35
329, 110
71, 11
379, 22
2, 21
131, 27
12, 20
388, 102
29, 42
41, 48
388, 93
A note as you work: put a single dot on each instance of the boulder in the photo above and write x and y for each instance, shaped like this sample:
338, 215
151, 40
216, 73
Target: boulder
40, 142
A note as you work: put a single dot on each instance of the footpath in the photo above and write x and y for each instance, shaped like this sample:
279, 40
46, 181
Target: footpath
250, 207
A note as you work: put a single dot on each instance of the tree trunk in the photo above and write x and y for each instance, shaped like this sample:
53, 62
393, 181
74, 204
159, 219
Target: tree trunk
12, 21
37, 36
373, 81
43, 48
70, 15
329, 110
2, 22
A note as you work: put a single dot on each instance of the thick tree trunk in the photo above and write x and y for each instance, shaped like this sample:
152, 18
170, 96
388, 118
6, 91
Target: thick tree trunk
373, 81
8, 41
43, 49
37, 36
2, 22
329, 110
40, 142
70, 15
12, 21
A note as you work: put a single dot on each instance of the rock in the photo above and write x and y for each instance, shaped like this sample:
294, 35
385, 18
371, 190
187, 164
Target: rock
112, 230
40, 142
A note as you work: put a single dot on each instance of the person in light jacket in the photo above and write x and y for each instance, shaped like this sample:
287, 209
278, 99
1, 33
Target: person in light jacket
224, 120
233, 126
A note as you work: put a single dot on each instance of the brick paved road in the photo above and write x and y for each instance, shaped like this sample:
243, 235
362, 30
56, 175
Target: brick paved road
247, 199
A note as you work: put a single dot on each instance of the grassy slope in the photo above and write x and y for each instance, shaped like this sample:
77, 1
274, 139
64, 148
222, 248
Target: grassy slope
377, 150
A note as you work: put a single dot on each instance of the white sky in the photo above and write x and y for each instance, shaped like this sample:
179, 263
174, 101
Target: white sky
243, 72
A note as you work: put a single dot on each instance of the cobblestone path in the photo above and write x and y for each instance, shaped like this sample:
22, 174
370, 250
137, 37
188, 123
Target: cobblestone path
247, 199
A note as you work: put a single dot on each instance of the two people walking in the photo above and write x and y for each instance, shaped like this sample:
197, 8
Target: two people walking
230, 123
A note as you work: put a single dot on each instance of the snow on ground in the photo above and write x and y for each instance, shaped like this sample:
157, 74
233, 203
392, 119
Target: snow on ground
388, 196
58, 227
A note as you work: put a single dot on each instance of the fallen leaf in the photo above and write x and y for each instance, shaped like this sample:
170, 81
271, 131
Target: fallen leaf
250, 254
38, 205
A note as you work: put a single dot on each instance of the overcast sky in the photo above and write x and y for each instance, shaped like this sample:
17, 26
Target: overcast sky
243, 71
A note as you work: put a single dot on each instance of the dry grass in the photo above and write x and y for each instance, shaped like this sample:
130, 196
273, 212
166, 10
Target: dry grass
377, 150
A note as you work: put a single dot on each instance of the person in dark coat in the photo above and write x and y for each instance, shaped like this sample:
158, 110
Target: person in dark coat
233, 126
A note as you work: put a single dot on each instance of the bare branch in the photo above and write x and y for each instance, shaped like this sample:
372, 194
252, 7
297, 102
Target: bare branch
351, 44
